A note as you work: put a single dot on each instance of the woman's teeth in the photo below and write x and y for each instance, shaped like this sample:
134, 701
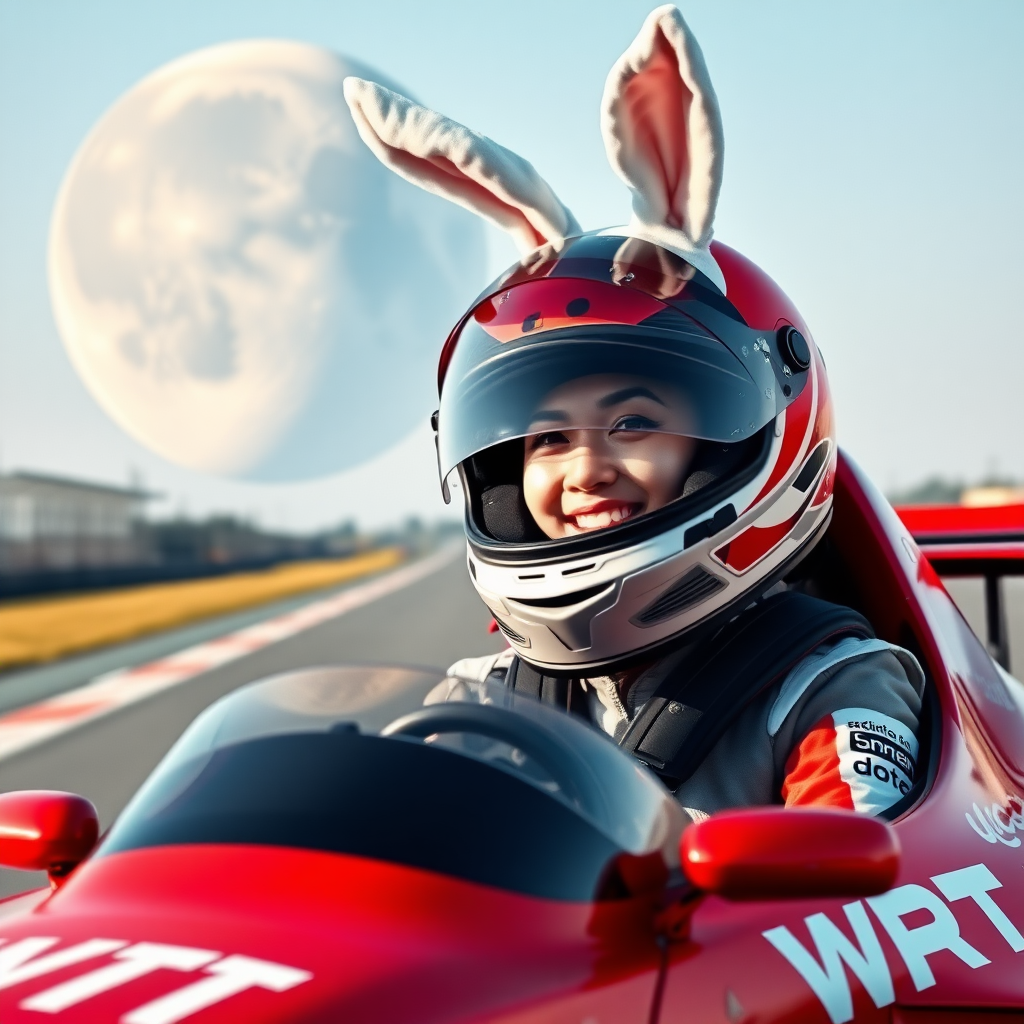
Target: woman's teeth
599, 520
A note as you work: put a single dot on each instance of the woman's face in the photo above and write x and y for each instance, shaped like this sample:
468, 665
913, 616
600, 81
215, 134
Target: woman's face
629, 456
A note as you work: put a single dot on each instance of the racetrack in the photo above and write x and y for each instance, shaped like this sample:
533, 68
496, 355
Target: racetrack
432, 622
38, 630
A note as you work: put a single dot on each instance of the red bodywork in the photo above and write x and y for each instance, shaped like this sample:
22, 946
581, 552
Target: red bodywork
46, 831
984, 541
949, 534
368, 941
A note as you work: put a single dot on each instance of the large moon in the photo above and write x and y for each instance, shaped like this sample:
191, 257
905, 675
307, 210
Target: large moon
239, 282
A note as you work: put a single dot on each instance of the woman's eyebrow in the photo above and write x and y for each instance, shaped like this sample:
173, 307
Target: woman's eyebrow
617, 397
549, 416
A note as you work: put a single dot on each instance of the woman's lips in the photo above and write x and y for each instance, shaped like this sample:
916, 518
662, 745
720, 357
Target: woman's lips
600, 515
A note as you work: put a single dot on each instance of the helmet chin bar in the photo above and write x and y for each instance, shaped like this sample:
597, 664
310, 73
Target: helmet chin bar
550, 635
602, 600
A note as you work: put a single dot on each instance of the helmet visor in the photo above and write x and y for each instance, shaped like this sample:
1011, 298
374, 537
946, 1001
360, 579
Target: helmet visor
605, 382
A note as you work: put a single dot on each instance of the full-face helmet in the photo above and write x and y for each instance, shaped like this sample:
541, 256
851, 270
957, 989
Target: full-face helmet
614, 339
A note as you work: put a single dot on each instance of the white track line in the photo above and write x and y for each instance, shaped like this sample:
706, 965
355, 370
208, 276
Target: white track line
36, 723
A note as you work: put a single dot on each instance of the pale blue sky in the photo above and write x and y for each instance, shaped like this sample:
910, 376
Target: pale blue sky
873, 167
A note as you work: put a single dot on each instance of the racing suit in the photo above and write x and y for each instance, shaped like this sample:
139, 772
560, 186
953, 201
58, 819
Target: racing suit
840, 730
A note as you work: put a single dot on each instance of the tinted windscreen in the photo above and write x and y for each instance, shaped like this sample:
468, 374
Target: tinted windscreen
392, 800
464, 778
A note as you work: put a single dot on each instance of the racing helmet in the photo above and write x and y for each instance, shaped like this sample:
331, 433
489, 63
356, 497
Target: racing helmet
615, 335
647, 335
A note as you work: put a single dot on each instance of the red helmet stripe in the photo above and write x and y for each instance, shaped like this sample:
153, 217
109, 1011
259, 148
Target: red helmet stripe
794, 439
749, 547
824, 491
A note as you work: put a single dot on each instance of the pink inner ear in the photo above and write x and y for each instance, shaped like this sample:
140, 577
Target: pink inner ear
455, 184
658, 104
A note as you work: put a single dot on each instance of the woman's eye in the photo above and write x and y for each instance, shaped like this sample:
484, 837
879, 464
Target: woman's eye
634, 422
548, 440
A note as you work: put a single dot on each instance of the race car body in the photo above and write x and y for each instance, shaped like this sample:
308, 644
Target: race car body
981, 540
350, 844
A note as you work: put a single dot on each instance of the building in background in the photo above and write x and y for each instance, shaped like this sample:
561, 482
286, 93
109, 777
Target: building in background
937, 490
50, 523
58, 534
992, 494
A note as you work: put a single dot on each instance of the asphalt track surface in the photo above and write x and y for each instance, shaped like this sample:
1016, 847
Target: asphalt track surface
432, 622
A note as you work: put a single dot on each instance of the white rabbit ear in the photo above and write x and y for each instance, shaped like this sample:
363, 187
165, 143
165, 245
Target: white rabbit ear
663, 134
448, 159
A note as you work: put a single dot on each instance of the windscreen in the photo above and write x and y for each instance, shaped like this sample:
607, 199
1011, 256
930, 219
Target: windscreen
495, 788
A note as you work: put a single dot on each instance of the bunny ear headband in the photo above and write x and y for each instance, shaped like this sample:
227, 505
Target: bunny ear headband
662, 132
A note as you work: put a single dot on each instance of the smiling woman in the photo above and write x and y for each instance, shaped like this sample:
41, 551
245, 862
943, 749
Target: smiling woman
606, 448
581, 396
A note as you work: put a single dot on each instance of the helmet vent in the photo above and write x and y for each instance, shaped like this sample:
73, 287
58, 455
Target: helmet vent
576, 569
563, 600
696, 586
512, 634
811, 466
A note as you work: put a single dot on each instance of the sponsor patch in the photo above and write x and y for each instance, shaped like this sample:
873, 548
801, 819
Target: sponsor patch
877, 757
998, 823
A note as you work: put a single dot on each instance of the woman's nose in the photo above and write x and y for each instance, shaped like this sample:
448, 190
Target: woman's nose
589, 468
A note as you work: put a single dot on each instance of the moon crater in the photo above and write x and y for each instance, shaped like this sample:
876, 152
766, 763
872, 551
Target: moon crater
239, 282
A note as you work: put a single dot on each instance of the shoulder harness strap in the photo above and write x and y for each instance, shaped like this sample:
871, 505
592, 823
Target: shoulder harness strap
524, 678
563, 693
676, 729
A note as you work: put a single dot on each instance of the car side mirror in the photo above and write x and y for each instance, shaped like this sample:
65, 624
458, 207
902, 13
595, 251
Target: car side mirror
45, 830
778, 853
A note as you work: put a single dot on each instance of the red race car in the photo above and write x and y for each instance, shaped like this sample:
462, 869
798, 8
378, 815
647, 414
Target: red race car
370, 844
